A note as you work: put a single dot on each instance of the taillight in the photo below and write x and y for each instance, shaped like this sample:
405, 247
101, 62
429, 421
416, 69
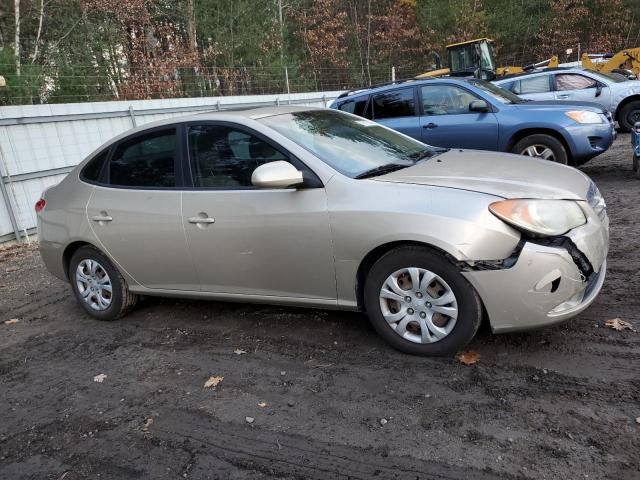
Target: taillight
40, 205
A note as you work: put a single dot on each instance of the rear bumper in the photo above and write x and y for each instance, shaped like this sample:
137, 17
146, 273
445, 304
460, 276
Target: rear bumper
547, 284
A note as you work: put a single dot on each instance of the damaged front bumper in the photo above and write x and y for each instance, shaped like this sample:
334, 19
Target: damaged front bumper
551, 281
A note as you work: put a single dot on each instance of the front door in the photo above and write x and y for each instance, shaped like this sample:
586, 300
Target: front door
448, 122
136, 216
245, 240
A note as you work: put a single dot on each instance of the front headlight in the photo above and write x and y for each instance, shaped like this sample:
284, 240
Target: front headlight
543, 217
582, 116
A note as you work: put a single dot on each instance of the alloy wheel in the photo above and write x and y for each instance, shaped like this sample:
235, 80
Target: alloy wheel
93, 284
418, 305
540, 151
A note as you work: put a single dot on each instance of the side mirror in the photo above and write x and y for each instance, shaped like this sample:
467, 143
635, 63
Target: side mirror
598, 90
479, 106
278, 174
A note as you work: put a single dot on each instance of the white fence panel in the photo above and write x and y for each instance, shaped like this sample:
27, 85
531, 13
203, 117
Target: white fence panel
39, 144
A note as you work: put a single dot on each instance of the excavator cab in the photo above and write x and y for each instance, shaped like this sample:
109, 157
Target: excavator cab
472, 58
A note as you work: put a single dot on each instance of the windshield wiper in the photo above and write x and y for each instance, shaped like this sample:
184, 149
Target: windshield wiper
424, 154
388, 168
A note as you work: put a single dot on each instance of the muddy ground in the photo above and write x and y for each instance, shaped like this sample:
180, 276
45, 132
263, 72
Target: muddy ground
559, 403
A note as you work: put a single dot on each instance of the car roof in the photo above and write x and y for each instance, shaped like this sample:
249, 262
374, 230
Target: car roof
534, 72
383, 87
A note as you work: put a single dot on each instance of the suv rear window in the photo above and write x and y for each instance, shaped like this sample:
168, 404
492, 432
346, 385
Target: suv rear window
399, 103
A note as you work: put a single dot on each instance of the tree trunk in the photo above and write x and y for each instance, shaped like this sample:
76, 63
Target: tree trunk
369, 40
16, 50
35, 50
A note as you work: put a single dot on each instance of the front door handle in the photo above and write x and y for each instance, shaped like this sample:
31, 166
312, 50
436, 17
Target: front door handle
430, 125
201, 220
563, 96
102, 218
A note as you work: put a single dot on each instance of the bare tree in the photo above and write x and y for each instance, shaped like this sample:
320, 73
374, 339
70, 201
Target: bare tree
16, 49
35, 50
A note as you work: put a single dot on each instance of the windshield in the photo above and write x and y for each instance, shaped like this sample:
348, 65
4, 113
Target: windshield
497, 93
349, 144
605, 77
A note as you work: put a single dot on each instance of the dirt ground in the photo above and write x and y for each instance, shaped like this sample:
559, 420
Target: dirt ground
559, 403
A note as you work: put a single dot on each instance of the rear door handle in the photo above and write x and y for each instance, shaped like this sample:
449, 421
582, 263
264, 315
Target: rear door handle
563, 96
430, 125
201, 220
102, 218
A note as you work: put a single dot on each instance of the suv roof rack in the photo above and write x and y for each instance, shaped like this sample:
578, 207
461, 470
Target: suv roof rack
377, 85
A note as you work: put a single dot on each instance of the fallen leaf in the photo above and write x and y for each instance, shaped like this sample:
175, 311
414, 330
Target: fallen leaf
213, 382
638, 420
147, 423
618, 324
249, 419
468, 357
239, 352
11, 322
262, 404
99, 378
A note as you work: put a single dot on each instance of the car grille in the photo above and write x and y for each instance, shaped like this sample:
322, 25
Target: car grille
594, 198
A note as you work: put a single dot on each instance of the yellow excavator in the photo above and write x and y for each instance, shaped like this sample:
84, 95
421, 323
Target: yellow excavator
475, 58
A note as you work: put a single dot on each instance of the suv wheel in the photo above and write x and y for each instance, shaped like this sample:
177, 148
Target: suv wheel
542, 146
98, 286
629, 115
419, 303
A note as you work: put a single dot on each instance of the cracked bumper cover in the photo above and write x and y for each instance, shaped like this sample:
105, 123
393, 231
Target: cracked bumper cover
545, 286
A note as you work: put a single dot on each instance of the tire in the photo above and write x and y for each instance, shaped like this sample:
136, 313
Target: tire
544, 141
626, 116
120, 300
636, 164
467, 302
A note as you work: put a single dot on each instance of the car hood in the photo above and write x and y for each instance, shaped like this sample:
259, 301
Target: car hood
500, 174
560, 105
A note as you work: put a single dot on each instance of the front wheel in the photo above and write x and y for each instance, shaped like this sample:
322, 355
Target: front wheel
420, 304
629, 115
98, 286
542, 146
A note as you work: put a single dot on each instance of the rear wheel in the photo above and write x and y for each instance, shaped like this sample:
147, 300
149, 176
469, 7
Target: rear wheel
542, 146
419, 303
629, 115
98, 286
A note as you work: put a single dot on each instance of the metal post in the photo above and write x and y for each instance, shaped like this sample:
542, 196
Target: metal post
133, 116
7, 202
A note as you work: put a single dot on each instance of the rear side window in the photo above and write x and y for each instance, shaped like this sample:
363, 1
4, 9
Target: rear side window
400, 103
532, 85
357, 106
92, 170
571, 81
145, 161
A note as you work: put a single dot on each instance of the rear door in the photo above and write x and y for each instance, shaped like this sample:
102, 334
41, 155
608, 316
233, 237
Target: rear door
446, 120
134, 211
537, 87
397, 109
254, 241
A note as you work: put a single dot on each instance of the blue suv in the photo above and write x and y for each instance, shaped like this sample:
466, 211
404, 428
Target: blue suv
471, 113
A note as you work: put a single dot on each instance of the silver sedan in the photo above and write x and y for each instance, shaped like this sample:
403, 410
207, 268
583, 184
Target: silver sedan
319, 208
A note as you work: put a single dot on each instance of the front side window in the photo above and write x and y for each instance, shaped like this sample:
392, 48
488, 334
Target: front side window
224, 157
399, 103
572, 81
534, 85
350, 145
356, 106
445, 100
145, 161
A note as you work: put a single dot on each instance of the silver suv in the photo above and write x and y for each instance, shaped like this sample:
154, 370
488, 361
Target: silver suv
613, 92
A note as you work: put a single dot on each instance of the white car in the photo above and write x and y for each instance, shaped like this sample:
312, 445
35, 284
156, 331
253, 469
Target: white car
613, 92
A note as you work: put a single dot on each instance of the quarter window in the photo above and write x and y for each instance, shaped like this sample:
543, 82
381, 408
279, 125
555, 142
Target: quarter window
146, 161
92, 170
445, 100
394, 104
567, 81
354, 106
224, 157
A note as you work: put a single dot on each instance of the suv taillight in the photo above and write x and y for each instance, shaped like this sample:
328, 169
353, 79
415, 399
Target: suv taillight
40, 205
